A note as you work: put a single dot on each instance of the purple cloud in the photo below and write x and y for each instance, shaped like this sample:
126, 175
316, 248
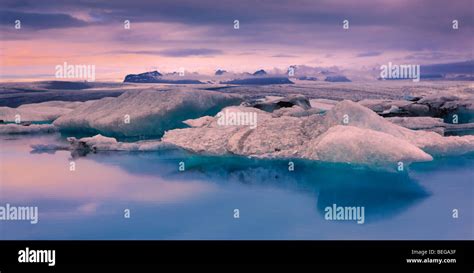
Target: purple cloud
186, 52
369, 54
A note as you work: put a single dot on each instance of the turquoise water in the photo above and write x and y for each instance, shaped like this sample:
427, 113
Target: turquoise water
199, 203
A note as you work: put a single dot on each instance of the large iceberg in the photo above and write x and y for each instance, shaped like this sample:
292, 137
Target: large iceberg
208, 122
363, 146
146, 113
348, 133
44, 111
13, 128
429, 105
361, 117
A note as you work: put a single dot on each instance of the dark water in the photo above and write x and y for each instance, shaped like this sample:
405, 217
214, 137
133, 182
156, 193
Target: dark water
199, 203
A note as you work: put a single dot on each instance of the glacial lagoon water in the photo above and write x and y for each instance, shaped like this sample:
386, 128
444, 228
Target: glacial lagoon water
199, 203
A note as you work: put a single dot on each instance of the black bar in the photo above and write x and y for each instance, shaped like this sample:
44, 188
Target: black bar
118, 253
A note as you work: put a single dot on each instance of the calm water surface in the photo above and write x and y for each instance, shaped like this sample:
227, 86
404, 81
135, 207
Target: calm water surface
199, 203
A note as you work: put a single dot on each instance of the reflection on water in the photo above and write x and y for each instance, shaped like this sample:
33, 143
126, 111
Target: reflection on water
199, 203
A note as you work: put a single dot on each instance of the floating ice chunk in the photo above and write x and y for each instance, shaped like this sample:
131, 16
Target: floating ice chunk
385, 106
437, 145
239, 116
420, 123
206, 140
199, 122
417, 123
97, 142
275, 138
353, 114
283, 138
361, 117
368, 138
149, 112
442, 104
102, 143
323, 104
296, 111
45, 111
214, 136
430, 105
350, 144
30, 129
40, 148
271, 138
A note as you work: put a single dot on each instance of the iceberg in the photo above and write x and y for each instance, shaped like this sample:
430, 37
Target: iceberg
215, 136
271, 105
323, 104
146, 113
347, 133
208, 122
418, 123
429, 105
421, 123
350, 144
431, 142
44, 111
30, 129
102, 143
199, 122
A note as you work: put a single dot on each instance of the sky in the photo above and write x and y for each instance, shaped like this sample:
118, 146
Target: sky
200, 36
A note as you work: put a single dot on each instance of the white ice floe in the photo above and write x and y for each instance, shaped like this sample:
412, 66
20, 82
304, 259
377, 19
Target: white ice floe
44, 111
431, 104
431, 142
384, 106
348, 132
144, 113
199, 122
102, 143
296, 111
30, 129
323, 104
420, 123
363, 146
430, 124
417, 123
